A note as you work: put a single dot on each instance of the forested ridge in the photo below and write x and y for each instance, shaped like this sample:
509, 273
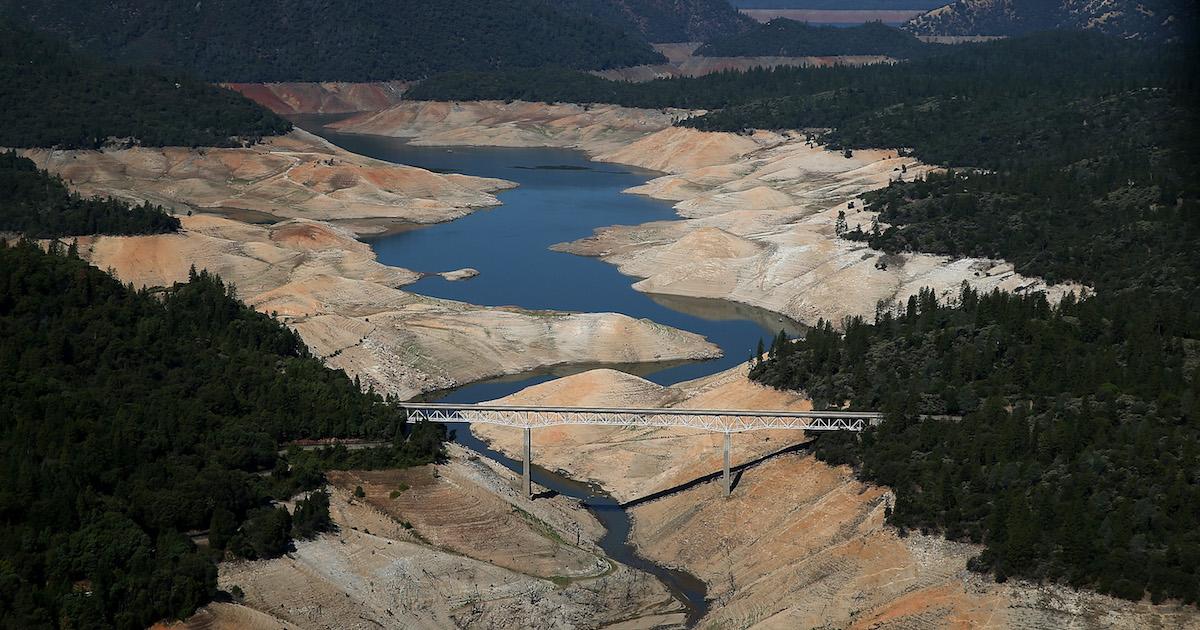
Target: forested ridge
986, 104
39, 205
56, 97
1075, 459
320, 40
1065, 438
782, 37
664, 20
131, 417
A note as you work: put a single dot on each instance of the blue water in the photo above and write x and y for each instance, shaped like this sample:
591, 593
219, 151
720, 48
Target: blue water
562, 197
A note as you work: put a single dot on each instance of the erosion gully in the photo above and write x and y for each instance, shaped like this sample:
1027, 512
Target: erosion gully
562, 196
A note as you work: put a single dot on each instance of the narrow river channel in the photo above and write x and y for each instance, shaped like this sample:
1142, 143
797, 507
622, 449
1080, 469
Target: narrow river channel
562, 196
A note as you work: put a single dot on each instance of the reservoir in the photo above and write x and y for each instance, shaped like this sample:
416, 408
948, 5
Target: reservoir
562, 196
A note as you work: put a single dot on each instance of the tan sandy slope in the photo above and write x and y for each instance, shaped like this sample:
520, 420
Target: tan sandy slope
799, 544
633, 463
516, 124
759, 228
323, 98
294, 176
377, 572
348, 309
758, 210
803, 545
328, 286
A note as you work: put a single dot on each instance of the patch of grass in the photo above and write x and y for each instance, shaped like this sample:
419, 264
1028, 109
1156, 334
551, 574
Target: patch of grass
542, 527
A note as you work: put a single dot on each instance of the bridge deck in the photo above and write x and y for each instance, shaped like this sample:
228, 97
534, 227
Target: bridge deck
720, 420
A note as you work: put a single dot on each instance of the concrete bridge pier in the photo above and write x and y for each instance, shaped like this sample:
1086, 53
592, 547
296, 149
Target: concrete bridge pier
728, 447
526, 484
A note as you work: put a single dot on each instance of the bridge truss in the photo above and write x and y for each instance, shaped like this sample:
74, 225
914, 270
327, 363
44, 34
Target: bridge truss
715, 420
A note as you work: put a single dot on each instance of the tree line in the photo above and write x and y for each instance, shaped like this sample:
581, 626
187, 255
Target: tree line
988, 104
135, 419
1065, 438
782, 37
1089, 143
56, 97
324, 40
39, 205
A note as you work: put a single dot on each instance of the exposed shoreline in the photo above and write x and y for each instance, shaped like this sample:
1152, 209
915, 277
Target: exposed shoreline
800, 543
798, 534
756, 212
323, 281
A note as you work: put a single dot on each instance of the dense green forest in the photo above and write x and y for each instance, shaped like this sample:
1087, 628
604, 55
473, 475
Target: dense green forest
1065, 438
54, 97
1076, 456
320, 40
988, 105
664, 20
133, 417
38, 205
788, 38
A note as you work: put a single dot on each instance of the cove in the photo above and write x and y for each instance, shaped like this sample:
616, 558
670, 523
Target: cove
562, 196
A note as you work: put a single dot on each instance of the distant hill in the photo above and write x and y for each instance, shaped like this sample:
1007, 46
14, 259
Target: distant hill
666, 20
1131, 19
788, 38
55, 97
345, 40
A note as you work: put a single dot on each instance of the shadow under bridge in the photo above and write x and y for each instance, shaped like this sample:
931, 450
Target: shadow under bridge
715, 420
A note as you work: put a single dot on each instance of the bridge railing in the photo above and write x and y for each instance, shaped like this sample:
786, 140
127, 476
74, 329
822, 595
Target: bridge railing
719, 420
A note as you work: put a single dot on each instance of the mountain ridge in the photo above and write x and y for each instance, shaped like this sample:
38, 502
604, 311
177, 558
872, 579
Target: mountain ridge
1168, 20
333, 40
667, 21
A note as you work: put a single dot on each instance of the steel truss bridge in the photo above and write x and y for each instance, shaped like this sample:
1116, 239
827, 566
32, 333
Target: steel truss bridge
714, 420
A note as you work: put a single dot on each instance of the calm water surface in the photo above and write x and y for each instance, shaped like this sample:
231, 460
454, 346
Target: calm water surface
562, 197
